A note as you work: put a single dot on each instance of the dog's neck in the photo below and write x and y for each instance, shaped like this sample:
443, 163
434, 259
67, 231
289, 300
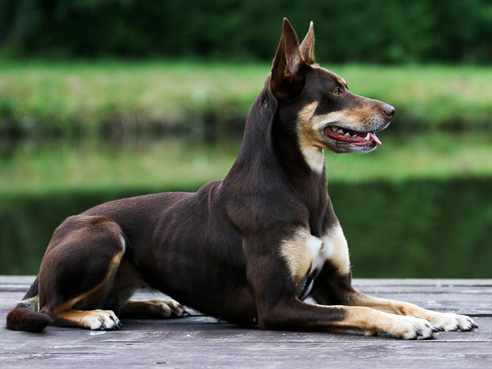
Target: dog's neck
270, 160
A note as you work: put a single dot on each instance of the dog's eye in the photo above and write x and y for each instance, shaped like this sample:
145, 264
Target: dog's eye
336, 91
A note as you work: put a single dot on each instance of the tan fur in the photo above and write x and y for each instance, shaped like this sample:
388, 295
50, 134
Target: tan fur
447, 321
297, 254
310, 139
335, 241
349, 118
340, 80
93, 319
113, 266
372, 322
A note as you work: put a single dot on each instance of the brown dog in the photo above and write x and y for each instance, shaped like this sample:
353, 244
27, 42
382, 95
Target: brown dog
248, 249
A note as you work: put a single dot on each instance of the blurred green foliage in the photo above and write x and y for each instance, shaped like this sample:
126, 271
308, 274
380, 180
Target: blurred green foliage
208, 101
60, 165
388, 31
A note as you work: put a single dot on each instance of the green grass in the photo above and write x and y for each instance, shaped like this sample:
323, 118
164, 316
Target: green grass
161, 165
36, 95
95, 92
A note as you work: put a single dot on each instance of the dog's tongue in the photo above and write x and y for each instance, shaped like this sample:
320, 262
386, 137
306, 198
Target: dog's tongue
375, 138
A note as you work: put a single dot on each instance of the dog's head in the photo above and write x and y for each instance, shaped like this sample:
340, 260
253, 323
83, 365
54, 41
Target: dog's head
317, 103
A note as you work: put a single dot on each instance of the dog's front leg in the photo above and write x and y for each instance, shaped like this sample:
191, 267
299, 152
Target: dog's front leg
334, 286
444, 321
273, 275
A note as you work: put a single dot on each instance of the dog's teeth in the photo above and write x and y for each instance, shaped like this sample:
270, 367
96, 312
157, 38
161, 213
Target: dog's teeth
340, 131
333, 129
368, 137
347, 134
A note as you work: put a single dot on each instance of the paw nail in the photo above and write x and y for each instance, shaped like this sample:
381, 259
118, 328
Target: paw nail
419, 333
103, 326
434, 329
460, 327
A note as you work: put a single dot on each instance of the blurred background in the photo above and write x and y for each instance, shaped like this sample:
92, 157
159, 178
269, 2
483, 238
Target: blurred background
103, 99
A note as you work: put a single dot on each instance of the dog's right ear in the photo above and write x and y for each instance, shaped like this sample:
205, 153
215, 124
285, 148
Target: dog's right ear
287, 77
307, 46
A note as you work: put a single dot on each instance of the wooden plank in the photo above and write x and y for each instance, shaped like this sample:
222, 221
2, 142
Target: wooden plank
7, 279
199, 342
422, 282
225, 345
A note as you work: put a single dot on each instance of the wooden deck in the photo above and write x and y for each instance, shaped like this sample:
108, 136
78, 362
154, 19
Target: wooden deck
199, 342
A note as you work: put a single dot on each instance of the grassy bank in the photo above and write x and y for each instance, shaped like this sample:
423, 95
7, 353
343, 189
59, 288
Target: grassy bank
46, 98
169, 164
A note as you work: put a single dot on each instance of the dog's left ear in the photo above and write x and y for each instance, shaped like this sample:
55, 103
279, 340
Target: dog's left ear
287, 76
307, 46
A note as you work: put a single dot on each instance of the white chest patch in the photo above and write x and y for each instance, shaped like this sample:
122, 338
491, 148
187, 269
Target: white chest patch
318, 255
337, 249
318, 252
306, 254
332, 247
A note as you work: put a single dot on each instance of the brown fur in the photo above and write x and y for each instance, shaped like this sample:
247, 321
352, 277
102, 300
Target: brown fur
247, 249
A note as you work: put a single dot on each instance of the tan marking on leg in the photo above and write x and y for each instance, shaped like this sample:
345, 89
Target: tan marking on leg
115, 262
158, 308
93, 319
372, 322
295, 251
303, 253
446, 321
337, 249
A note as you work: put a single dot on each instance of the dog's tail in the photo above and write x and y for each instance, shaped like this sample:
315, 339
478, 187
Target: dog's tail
22, 318
26, 315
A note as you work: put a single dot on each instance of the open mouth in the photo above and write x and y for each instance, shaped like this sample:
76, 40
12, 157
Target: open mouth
358, 138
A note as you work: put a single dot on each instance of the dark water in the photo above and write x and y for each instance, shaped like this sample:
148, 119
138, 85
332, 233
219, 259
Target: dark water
428, 229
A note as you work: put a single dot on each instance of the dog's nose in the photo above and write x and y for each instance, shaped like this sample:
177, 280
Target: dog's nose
388, 110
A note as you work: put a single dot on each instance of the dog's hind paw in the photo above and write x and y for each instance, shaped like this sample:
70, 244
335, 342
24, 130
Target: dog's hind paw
103, 320
453, 322
167, 308
157, 308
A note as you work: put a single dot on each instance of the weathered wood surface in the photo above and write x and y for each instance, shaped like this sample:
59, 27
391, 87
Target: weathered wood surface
199, 342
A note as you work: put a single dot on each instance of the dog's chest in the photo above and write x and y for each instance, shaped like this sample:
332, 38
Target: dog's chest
306, 254
319, 251
332, 247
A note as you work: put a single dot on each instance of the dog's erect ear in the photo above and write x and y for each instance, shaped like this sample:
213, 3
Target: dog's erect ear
287, 79
307, 46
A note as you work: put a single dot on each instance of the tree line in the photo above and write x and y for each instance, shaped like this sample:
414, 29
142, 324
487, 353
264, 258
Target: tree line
383, 31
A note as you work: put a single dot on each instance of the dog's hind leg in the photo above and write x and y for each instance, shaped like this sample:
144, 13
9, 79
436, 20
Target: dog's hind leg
77, 274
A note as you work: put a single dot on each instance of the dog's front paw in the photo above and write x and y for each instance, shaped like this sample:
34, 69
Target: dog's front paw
410, 328
453, 322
